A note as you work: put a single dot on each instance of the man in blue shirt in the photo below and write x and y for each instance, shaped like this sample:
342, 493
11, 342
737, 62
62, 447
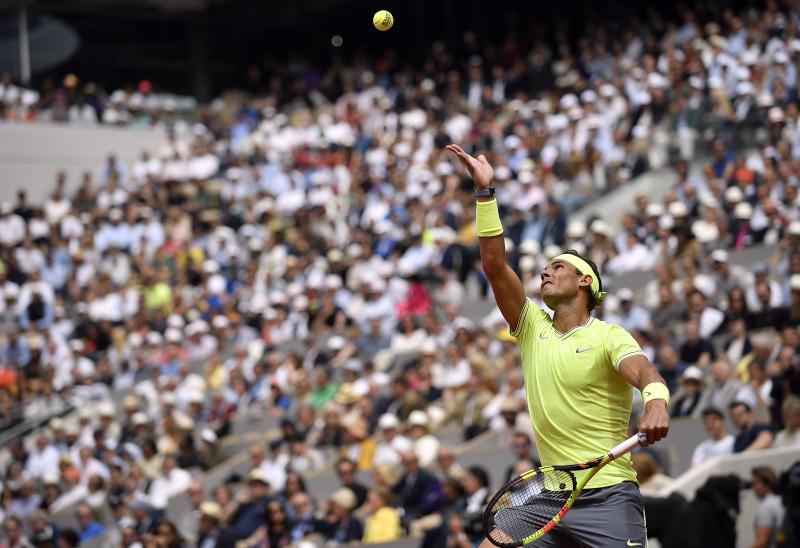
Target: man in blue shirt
89, 527
249, 515
752, 435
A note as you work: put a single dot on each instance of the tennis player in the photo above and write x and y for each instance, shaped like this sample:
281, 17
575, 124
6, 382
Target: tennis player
578, 374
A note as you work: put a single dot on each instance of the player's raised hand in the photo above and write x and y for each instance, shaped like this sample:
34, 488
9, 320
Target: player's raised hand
479, 169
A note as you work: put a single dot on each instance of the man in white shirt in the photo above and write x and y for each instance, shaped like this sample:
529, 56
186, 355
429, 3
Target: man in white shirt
170, 482
710, 318
43, 461
720, 442
274, 466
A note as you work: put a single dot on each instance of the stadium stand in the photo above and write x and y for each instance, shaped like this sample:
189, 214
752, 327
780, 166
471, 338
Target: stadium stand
197, 341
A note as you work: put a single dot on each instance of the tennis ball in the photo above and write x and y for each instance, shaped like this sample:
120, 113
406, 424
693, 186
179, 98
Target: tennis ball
382, 20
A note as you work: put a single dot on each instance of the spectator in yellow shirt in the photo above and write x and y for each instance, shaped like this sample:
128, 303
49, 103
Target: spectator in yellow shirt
383, 524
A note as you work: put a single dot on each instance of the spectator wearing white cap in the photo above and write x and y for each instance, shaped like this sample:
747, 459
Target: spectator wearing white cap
392, 442
728, 276
690, 393
338, 523
629, 315
426, 445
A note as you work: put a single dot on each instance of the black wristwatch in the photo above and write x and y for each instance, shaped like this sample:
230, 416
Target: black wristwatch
481, 192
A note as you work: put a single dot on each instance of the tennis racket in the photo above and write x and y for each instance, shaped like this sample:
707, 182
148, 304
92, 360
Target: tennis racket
533, 503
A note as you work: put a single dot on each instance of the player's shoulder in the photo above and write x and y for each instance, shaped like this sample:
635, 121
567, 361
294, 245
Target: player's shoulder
600, 327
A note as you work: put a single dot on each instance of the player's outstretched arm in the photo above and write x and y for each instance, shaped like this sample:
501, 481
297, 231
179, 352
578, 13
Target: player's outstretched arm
642, 374
506, 285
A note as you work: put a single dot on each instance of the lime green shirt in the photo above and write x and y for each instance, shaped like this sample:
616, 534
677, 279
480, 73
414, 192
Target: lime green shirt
158, 296
579, 402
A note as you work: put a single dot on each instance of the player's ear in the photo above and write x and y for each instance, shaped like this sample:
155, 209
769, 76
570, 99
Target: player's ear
585, 281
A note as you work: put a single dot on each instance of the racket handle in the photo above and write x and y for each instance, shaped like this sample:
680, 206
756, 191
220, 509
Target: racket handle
628, 444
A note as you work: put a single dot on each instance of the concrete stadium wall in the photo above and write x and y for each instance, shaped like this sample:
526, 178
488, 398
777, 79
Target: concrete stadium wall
32, 154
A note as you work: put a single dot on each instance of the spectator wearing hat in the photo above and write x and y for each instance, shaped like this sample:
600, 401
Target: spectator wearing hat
392, 443
690, 393
630, 316
752, 435
251, 506
208, 454
210, 529
338, 523
719, 442
425, 444
770, 512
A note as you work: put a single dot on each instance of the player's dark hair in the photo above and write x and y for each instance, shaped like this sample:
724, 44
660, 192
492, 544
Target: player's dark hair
593, 302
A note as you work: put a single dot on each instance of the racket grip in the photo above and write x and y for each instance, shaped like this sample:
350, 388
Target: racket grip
628, 444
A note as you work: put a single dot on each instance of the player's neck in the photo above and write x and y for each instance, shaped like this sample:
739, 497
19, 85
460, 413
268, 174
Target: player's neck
569, 315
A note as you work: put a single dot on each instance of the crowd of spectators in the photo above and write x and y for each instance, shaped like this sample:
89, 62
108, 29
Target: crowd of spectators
308, 259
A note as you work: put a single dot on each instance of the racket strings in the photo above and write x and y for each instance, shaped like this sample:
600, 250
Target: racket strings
528, 506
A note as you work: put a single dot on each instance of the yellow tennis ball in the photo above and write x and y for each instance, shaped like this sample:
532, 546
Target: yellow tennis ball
383, 20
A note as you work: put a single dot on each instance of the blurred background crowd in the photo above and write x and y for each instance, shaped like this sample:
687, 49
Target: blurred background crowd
305, 253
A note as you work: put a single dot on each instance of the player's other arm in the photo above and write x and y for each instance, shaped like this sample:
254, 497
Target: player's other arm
642, 374
506, 285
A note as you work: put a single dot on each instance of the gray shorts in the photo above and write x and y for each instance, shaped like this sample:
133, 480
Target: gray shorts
610, 517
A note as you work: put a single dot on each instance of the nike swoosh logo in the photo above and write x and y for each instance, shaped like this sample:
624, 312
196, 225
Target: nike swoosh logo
542, 337
634, 543
648, 394
579, 350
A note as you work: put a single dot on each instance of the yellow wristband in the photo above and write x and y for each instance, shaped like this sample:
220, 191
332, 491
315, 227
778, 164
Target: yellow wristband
655, 391
487, 219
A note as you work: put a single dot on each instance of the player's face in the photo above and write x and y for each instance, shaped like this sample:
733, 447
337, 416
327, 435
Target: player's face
560, 282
